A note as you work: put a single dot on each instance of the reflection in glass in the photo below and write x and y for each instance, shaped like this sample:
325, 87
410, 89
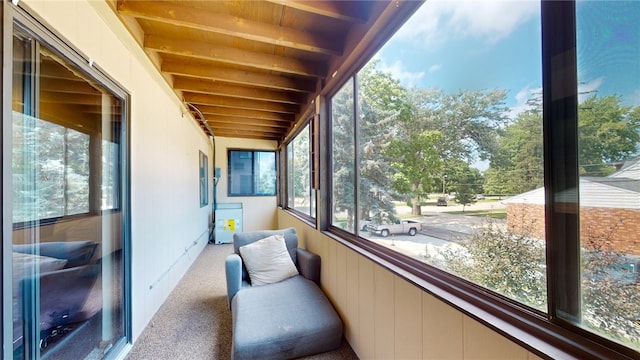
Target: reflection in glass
66, 166
449, 136
343, 158
266, 172
608, 40
252, 173
301, 195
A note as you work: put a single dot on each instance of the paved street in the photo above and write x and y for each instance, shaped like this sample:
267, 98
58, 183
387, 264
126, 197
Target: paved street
440, 230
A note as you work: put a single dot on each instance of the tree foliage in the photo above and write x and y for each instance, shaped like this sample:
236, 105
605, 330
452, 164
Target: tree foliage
468, 120
343, 156
465, 181
517, 163
50, 166
507, 262
383, 102
301, 172
608, 132
415, 161
512, 263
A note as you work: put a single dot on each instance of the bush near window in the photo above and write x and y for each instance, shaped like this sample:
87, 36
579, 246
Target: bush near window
511, 262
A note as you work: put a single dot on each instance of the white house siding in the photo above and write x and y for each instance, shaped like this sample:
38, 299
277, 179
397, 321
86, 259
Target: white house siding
631, 171
592, 194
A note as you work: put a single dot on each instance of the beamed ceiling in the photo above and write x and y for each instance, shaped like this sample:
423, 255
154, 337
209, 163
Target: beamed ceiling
253, 68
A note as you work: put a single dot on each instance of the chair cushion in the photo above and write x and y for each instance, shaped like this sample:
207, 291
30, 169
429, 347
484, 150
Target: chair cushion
246, 238
289, 319
268, 260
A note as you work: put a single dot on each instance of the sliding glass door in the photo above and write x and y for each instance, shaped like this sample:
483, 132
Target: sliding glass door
63, 198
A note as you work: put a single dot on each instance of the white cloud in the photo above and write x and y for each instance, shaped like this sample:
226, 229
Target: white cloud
587, 89
439, 21
522, 100
397, 70
435, 67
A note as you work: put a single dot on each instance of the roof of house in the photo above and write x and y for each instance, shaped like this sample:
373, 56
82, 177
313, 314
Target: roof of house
619, 190
630, 169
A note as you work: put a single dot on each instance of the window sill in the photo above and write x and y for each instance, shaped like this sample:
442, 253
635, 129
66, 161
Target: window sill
301, 216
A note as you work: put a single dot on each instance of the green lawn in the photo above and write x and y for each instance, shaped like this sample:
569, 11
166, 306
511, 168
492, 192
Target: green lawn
494, 214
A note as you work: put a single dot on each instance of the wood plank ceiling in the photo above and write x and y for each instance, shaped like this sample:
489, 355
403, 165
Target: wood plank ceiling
250, 67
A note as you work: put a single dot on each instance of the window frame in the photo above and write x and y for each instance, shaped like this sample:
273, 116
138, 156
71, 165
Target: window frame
253, 178
310, 218
20, 16
41, 35
546, 334
203, 176
91, 195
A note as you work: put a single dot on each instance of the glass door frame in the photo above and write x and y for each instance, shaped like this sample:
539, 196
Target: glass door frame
20, 15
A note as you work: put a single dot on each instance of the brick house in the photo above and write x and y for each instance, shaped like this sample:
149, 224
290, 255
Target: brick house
608, 209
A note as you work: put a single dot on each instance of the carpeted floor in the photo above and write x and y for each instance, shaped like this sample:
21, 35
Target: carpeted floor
195, 322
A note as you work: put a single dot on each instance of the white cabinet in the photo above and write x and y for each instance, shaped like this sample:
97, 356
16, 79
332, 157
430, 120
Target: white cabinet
228, 222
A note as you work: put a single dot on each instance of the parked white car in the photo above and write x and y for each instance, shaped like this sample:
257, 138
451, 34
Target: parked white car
410, 227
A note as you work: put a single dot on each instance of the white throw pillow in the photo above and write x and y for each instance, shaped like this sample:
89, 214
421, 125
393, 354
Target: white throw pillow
268, 261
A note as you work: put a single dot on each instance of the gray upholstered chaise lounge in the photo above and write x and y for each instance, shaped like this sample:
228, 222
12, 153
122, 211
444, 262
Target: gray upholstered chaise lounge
281, 320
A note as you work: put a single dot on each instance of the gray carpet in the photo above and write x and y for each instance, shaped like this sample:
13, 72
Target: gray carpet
195, 322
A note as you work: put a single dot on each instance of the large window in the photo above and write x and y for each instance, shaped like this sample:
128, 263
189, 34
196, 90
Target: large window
442, 144
343, 211
252, 173
66, 176
445, 157
203, 173
608, 122
300, 194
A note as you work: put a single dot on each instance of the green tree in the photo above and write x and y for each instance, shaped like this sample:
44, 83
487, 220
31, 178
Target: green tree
465, 181
517, 163
301, 169
343, 157
468, 120
608, 132
415, 161
382, 103
512, 263
507, 262
466, 124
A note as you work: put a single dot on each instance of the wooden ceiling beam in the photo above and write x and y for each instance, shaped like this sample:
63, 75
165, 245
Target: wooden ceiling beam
242, 77
218, 88
209, 51
69, 98
239, 103
200, 19
245, 134
245, 113
67, 86
325, 8
247, 128
276, 126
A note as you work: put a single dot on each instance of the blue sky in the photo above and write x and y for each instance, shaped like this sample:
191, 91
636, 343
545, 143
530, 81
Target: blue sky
472, 45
